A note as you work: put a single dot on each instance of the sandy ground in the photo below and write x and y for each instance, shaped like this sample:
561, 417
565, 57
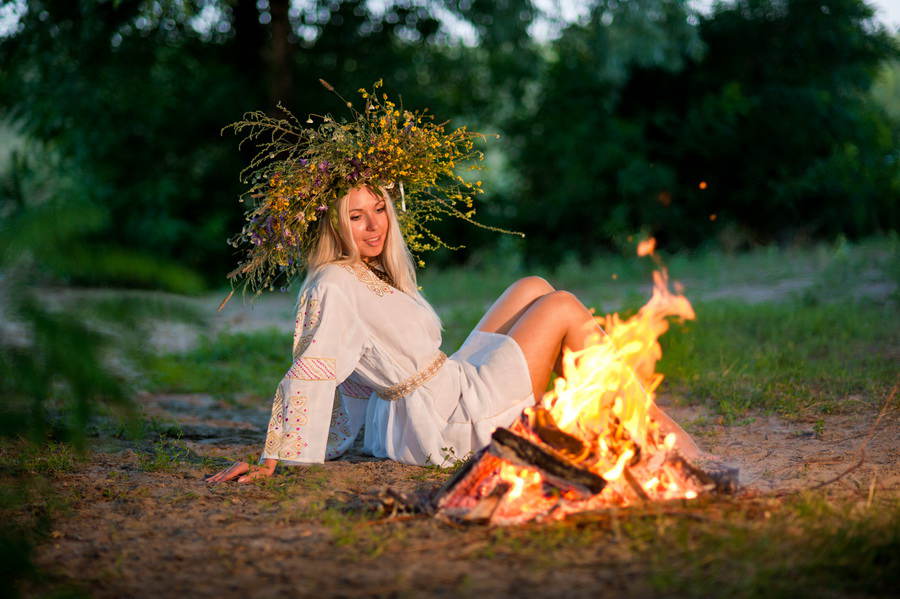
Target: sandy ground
134, 532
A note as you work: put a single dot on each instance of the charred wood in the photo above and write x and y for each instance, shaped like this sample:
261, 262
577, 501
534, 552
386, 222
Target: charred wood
545, 428
467, 479
720, 477
556, 470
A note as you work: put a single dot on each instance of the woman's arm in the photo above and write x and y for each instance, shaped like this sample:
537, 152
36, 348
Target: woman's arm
328, 341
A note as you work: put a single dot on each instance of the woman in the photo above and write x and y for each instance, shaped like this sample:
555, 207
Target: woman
366, 343
362, 325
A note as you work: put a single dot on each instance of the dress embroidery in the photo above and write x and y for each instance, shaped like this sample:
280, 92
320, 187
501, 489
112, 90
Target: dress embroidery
385, 277
295, 418
302, 344
368, 278
308, 316
274, 437
312, 369
406, 387
355, 390
339, 431
308, 312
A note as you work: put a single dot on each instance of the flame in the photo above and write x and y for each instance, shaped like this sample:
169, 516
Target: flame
605, 400
519, 478
606, 395
646, 247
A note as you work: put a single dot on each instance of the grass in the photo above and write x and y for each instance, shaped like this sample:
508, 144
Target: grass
166, 455
230, 365
823, 346
23, 458
783, 357
807, 547
803, 546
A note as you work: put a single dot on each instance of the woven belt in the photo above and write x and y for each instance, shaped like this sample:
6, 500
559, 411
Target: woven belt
406, 387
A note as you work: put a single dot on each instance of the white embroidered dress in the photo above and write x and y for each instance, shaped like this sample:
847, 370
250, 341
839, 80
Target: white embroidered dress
356, 337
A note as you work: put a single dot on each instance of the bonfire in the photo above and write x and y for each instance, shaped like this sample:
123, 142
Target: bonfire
595, 440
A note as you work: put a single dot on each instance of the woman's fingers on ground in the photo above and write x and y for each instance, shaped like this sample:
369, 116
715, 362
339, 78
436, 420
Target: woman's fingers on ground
232, 471
254, 475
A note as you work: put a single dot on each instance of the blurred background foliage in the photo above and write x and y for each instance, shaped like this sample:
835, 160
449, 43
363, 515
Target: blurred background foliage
753, 122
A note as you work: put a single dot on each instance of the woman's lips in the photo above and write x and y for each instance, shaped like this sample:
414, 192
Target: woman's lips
373, 241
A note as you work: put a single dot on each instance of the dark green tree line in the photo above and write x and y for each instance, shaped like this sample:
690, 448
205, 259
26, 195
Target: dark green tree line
755, 124
754, 120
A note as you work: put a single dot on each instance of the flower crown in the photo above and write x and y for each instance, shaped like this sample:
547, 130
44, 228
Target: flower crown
300, 171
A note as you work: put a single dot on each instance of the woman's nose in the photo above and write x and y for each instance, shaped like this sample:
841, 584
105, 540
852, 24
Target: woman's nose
370, 223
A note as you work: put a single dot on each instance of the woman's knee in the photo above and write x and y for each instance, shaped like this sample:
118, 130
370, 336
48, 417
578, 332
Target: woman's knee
563, 303
533, 286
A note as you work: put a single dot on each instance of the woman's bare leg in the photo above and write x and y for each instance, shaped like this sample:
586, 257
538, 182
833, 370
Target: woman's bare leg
510, 306
550, 323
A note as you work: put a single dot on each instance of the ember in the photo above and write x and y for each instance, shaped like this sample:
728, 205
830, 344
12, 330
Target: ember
596, 440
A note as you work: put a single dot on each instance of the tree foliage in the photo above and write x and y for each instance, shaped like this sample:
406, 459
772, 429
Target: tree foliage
756, 124
752, 122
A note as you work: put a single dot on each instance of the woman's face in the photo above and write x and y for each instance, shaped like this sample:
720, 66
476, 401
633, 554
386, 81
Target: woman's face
368, 221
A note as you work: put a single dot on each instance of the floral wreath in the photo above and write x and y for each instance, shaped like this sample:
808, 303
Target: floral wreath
300, 171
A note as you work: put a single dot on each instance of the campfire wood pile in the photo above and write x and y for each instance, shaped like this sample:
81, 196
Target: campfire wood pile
549, 458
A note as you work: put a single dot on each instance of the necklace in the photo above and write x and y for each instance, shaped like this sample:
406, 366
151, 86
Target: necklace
385, 277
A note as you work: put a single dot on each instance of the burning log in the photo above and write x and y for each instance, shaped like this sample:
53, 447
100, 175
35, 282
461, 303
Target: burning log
478, 482
541, 422
714, 475
480, 493
520, 476
555, 469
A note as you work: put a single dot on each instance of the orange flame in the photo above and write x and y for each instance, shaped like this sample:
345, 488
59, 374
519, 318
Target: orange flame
606, 395
646, 247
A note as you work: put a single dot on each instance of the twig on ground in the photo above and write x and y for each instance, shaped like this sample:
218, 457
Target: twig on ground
862, 447
393, 518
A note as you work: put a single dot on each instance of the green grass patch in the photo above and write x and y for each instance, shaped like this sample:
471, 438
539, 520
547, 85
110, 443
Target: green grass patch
804, 546
808, 547
230, 366
166, 455
784, 357
23, 458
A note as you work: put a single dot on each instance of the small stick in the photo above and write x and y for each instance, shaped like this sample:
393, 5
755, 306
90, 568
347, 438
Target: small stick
864, 444
635, 485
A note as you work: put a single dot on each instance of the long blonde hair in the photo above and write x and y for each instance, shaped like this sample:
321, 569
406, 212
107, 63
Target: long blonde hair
335, 245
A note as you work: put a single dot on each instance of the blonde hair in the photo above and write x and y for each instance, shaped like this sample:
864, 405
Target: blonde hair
335, 245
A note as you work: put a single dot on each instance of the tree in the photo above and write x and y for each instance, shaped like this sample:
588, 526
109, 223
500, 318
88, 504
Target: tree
773, 130
587, 179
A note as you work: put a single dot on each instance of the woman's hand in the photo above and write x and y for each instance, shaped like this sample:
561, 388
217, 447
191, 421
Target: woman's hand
243, 468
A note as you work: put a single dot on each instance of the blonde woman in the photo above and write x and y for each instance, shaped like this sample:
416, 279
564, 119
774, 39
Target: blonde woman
367, 353
366, 343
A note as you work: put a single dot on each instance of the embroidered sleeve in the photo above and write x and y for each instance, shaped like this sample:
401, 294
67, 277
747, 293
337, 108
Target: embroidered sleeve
328, 341
348, 416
